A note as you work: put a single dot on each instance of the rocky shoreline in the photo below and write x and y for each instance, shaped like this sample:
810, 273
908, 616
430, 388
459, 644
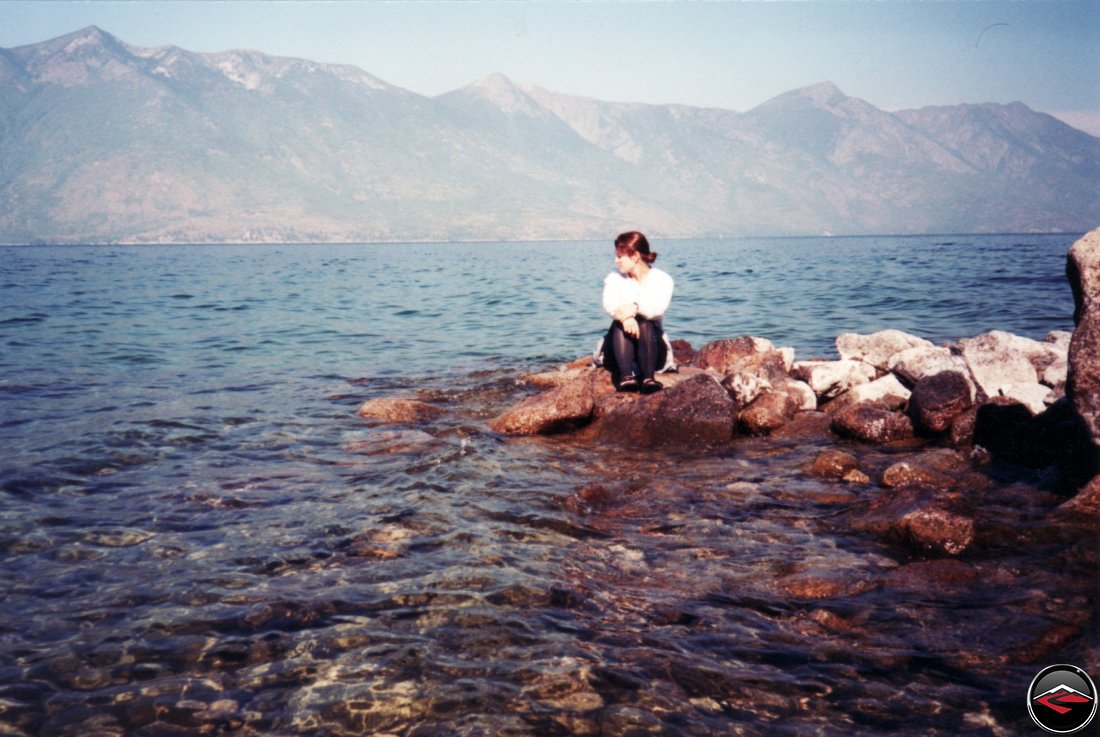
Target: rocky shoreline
951, 412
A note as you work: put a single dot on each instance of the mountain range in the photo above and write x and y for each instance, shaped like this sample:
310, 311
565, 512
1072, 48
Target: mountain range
102, 141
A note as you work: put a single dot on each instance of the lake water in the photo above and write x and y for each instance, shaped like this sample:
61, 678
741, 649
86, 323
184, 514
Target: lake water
199, 535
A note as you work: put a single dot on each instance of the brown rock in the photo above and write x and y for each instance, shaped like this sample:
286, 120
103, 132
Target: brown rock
1085, 504
938, 399
907, 474
833, 464
697, 411
744, 354
398, 409
871, 425
768, 412
561, 409
683, 352
920, 518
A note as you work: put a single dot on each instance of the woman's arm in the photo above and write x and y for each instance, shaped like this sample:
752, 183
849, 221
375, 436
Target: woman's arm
656, 295
616, 302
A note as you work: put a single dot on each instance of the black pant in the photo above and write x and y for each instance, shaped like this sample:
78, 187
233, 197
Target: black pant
625, 355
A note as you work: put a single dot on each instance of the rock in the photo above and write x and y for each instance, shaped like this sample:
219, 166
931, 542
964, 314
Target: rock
938, 399
558, 377
398, 409
996, 423
877, 348
871, 425
563, 408
920, 518
908, 474
683, 352
1086, 503
1055, 375
855, 476
1033, 395
913, 364
831, 378
961, 432
1083, 378
768, 412
996, 361
885, 392
833, 465
745, 354
1083, 273
696, 411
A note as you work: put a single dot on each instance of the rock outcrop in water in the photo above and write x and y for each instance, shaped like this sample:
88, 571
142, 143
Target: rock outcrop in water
946, 411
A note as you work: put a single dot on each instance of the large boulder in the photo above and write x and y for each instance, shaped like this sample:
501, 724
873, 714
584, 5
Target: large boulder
563, 408
829, 379
998, 361
696, 411
938, 399
871, 425
745, 354
913, 364
1083, 378
877, 348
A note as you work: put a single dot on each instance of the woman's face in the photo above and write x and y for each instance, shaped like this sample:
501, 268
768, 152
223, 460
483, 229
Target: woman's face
627, 264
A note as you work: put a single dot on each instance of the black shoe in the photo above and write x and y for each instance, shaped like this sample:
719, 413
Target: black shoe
651, 386
628, 384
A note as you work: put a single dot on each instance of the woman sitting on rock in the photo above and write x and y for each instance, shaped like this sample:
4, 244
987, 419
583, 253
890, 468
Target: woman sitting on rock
636, 296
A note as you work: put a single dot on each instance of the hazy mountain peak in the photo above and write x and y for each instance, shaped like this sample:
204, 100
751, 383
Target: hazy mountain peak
504, 94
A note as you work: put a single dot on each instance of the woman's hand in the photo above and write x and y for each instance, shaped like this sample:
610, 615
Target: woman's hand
626, 312
630, 327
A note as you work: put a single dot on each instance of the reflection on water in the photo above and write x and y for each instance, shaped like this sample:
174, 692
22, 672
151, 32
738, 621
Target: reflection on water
198, 535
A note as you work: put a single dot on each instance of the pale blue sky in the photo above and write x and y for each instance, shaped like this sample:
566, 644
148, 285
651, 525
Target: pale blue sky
733, 55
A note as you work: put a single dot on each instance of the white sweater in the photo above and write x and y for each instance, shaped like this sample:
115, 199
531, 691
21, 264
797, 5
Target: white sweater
652, 295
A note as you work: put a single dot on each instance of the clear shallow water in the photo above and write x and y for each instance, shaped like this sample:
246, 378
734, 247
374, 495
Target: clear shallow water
198, 534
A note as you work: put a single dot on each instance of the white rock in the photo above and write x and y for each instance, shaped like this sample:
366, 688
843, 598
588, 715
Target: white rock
832, 378
879, 390
998, 360
788, 358
877, 348
1054, 375
913, 364
802, 393
1032, 395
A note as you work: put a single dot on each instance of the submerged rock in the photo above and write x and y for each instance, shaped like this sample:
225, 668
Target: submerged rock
398, 409
920, 518
834, 465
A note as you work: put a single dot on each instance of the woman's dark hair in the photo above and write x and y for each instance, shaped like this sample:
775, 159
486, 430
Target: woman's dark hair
633, 242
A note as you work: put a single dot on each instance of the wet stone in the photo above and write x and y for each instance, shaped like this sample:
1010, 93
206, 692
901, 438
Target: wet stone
871, 425
833, 464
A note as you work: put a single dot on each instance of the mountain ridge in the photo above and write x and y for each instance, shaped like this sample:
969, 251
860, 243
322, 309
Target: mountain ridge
108, 142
